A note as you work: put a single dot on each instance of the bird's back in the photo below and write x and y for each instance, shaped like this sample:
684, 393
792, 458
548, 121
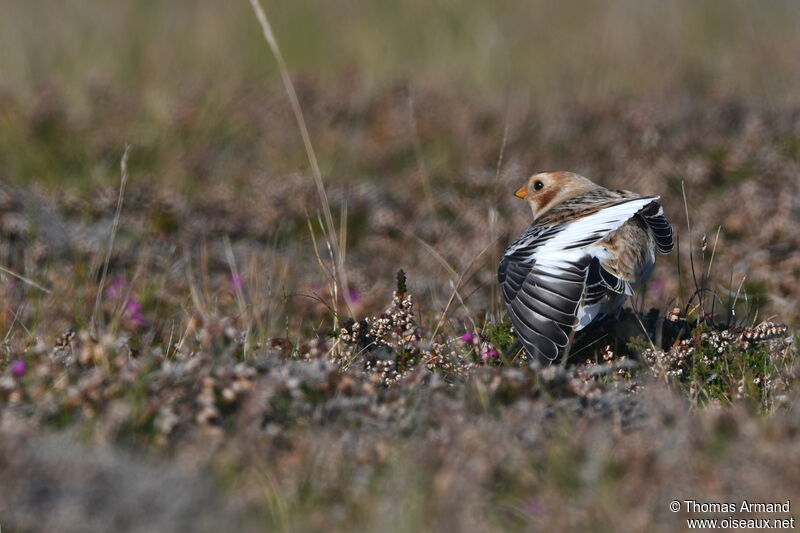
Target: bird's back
603, 241
631, 251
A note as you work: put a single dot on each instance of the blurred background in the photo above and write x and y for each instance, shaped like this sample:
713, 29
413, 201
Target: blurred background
576, 48
181, 370
424, 116
159, 75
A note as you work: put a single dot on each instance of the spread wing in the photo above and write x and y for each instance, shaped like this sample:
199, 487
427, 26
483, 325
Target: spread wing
544, 276
653, 215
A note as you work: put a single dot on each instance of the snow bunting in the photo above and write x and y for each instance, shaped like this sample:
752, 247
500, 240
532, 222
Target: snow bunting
587, 250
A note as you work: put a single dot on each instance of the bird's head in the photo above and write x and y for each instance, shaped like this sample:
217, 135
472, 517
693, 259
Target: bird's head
546, 190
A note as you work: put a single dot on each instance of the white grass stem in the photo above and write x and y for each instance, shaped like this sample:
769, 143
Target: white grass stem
25, 280
123, 168
713, 252
269, 36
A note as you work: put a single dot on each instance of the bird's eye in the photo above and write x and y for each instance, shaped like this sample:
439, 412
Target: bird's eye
538, 185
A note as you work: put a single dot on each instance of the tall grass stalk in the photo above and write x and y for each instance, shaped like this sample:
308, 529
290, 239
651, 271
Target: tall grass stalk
236, 283
333, 241
123, 169
25, 280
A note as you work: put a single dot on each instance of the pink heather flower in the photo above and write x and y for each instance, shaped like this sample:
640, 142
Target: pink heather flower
18, 368
468, 337
353, 295
133, 310
534, 507
657, 286
488, 354
237, 282
115, 289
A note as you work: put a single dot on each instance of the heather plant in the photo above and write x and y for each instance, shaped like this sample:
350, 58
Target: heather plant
215, 334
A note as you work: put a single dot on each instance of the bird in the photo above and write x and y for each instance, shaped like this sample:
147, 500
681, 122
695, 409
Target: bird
588, 249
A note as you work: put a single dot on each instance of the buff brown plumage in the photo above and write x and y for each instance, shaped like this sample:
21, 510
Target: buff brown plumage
588, 249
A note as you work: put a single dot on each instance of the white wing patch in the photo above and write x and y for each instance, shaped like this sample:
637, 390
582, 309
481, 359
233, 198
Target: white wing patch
597, 224
544, 288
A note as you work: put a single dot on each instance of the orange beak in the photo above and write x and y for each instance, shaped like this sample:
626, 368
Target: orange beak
522, 192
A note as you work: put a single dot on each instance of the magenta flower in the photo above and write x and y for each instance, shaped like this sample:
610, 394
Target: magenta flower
489, 354
534, 507
237, 282
18, 368
133, 311
116, 288
657, 286
468, 337
353, 295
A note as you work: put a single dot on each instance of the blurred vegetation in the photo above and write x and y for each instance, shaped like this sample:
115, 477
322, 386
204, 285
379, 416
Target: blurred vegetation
165, 75
227, 377
573, 48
